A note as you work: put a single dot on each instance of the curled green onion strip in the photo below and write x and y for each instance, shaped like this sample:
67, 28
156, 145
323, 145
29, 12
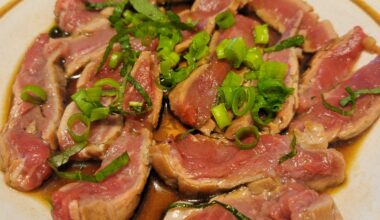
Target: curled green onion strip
75, 118
107, 82
33, 94
247, 132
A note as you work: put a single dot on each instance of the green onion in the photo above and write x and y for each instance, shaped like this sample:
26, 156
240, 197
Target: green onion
108, 50
115, 59
292, 153
78, 117
149, 10
63, 157
136, 106
198, 47
232, 79
339, 110
107, 82
262, 34
229, 208
169, 61
254, 58
273, 70
236, 51
93, 94
247, 132
345, 101
241, 96
225, 19
33, 94
101, 175
262, 107
99, 113
290, 42
221, 47
221, 115
81, 100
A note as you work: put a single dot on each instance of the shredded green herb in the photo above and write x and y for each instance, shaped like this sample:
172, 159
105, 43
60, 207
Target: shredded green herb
295, 41
229, 208
292, 153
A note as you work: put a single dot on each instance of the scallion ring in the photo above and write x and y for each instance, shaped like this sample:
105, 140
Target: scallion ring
243, 100
33, 94
75, 118
262, 120
246, 132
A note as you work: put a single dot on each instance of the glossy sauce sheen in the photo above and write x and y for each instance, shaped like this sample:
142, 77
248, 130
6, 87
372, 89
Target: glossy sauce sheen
157, 196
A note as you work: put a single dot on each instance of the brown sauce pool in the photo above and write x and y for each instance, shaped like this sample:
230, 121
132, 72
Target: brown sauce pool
157, 195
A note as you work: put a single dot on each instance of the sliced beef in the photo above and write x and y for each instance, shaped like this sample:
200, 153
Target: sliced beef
283, 14
146, 71
204, 12
192, 99
330, 67
333, 126
198, 164
29, 135
288, 109
72, 15
102, 132
117, 196
274, 201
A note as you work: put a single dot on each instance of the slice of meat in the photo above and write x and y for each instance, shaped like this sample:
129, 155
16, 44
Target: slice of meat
288, 201
204, 12
102, 132
192, 99
330, 67
72, 15
117, 196
288, 109
339, 127
29, 134
198, 164
84, 48
146, 71
281, 14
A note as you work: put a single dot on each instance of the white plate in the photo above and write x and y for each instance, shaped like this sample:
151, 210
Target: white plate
360, 198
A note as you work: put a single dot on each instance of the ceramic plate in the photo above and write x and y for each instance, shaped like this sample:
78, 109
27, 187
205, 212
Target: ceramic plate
358, 199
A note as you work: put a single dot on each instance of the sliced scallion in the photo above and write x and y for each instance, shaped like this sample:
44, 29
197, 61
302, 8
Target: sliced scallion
236, 51
243, 100
225, 19
254, 58
221, 115
339, 110
33, 94
99, 113
71, 122
115, 59
262, 34
244, 133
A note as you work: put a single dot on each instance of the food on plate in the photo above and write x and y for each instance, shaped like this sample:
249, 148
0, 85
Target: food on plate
212, 97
